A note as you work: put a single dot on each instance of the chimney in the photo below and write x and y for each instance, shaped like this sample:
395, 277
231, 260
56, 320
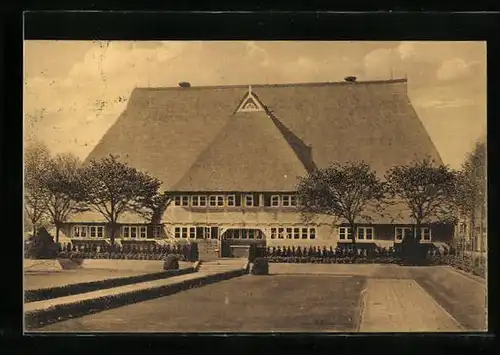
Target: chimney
184, 84
350, 79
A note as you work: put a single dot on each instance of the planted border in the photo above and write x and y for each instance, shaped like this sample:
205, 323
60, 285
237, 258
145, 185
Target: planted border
38, 318
84, 287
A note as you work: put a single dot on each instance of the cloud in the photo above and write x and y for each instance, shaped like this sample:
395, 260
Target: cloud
455, 68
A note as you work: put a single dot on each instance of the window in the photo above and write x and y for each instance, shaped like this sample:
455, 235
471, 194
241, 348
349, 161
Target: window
402, 232
281, 233
231, 200
345, 233
259, 234
251, 234
426, 234
184, 232
80, 231
220, 201
289, 233
275, 201
126, 232
203, 201
192, 232
206, 234
249, 200
194, 201
365, 233
296, 233
312, 233
293, 200
304, 233
213, 201
243, 234
96, 231
177, 232
156, 231
133, 232
273, 233
286, 201
142, 232
184, 201
177, 200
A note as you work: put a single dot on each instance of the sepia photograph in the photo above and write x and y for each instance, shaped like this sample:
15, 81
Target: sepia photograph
255, 186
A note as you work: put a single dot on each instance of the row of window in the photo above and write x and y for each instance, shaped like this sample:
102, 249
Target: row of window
194, 233
127, 232
366, 233
248, 200
88, 231
293, 233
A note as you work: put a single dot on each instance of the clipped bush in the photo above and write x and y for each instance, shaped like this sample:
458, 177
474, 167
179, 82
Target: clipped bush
171, 262
260, 266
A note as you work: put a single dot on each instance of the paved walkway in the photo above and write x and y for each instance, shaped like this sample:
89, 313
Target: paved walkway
402, 306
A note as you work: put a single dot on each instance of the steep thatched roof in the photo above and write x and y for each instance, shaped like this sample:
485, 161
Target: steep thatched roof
191, 138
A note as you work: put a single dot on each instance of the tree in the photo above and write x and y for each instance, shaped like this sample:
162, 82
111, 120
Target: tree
111, 188
472, 188
36, 160
154, 208
426, 188
60, 183
343, 191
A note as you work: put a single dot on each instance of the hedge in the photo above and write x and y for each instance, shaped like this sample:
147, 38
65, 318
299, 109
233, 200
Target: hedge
130, 251
74, 289
57, 313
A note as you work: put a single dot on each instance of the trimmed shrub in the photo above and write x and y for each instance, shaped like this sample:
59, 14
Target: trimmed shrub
260, 266
41, 246
171, 262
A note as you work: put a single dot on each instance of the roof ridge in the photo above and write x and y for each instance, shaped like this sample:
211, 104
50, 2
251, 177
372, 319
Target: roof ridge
232, 86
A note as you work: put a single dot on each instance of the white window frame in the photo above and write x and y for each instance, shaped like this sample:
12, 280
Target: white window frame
220, 201
251, 234
185, 201
134, 228
94, 230
289, 232
177, 200
293, 200
274, 233
304, 233
202, 199
404, 231
422, 234
363, 231
275, 199
345, 233
212, 199
281, 233
192, 232
77, 231
184, 232
286, 200
312, 233
143, 232
195, 199
296, 233
247, 198
177, 232
233, 198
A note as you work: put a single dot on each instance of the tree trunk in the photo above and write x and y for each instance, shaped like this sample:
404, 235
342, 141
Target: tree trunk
112, 236
58, 227
353, 231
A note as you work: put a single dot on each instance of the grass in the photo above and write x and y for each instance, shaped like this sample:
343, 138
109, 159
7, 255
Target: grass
246, 304
34, 280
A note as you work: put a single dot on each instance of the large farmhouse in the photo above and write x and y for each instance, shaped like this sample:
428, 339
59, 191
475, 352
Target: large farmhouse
232, 155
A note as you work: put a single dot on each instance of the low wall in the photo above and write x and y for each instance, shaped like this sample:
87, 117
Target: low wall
41, 265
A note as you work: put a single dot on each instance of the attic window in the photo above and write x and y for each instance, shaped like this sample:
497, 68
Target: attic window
250, 103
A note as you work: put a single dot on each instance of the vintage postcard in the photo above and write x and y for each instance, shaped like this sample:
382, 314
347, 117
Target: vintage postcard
246, 186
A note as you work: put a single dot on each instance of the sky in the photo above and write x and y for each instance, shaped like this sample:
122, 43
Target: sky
75, 90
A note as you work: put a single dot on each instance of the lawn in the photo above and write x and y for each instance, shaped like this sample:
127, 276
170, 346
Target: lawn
281, 303
44, 279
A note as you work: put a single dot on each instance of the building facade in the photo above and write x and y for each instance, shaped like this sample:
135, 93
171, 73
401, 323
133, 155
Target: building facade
231, 156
